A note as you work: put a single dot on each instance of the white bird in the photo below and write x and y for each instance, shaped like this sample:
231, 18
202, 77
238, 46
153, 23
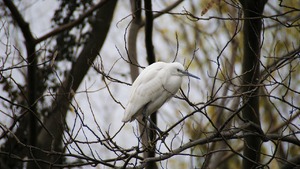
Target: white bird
153, 87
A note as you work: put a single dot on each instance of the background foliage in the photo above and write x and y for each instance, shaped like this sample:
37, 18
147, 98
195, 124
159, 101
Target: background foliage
66, 69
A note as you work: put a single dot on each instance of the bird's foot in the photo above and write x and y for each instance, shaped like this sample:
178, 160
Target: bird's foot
162, 134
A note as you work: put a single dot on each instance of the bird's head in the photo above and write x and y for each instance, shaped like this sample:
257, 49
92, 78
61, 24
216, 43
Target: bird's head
178, 69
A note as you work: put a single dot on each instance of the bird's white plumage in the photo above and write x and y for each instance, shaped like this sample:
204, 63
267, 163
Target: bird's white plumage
152, 88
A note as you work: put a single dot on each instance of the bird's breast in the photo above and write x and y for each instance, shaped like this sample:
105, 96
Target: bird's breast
172, 84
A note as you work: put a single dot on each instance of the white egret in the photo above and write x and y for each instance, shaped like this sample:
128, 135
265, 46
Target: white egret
153, 87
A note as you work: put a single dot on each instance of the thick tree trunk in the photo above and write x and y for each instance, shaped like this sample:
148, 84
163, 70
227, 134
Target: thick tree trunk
29, 122
151, 59
132, 37
135, 26
50, 137
251, 61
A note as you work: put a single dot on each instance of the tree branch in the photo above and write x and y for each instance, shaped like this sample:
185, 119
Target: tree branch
72, 24
278, 63
228, 135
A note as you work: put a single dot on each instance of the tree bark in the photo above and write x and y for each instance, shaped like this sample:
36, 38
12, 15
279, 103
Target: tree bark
135, 26
250, 75
132, 37
31, 70
150, 59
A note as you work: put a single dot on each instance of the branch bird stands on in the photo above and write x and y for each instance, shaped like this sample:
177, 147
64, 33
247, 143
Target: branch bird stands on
153, 87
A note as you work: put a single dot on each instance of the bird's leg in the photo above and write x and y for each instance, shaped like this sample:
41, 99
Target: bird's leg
161, 133
154, 125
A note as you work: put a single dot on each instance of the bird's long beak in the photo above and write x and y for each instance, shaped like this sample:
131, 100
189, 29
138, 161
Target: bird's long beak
185, 73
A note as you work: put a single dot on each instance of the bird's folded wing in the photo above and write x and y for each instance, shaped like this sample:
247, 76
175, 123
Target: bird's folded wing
144, 91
